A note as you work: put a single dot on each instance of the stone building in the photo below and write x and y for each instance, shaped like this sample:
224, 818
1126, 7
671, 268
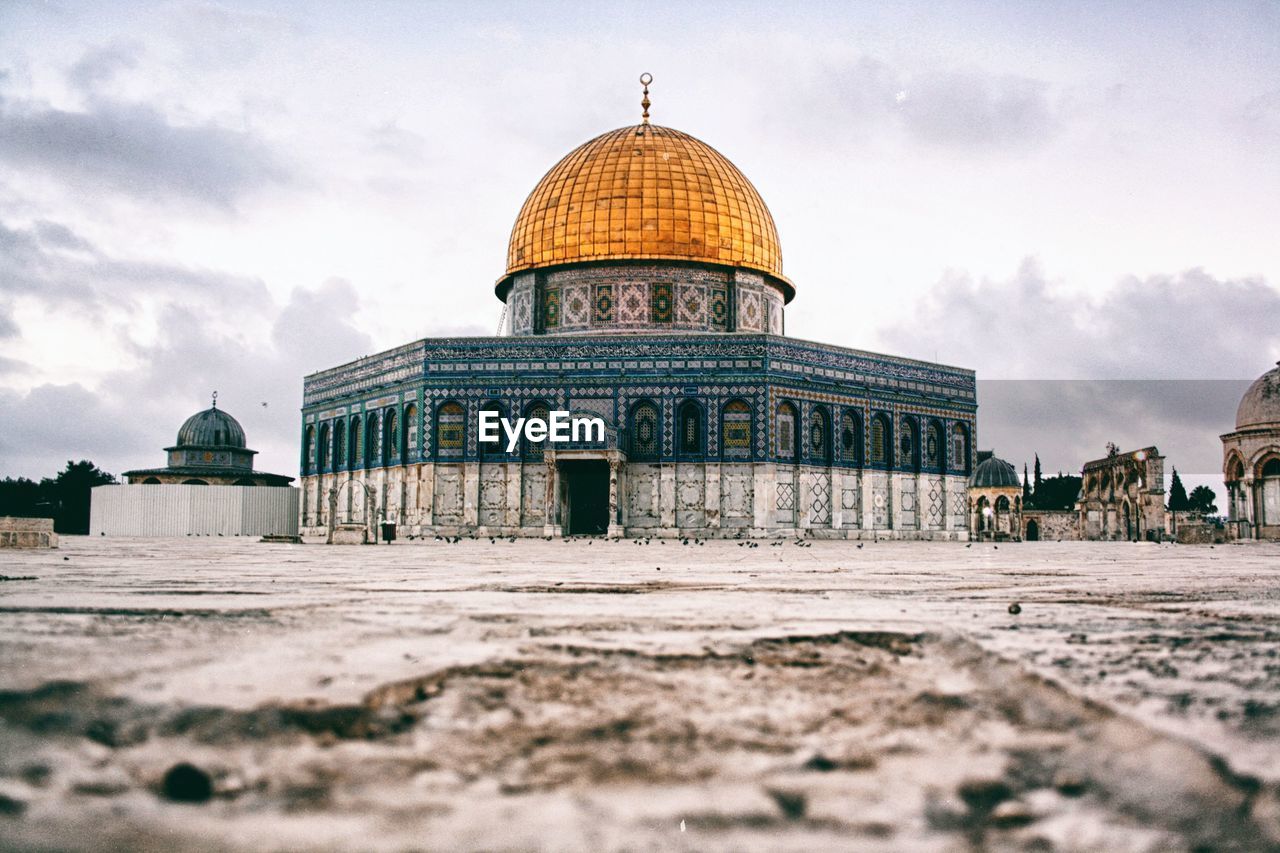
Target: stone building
1122, 496
995, 499
643, 285
1251, 462
210, 451
209, 488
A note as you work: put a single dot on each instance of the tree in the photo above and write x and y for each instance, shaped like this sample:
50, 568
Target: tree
1038, 479
1178, 500
1202, 500
64, 498
71, 490
1026, 487
1058, 492
22, 498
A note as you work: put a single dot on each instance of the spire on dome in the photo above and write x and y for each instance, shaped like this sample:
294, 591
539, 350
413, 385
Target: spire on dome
645, 79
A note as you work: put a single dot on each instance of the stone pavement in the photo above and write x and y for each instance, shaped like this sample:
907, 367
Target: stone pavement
626, 695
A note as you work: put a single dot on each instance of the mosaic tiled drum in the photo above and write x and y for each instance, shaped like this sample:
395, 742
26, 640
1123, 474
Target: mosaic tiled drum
644, 285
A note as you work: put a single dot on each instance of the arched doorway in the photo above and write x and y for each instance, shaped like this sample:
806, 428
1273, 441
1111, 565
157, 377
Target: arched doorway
1269, 493
1128, 521
1033, 531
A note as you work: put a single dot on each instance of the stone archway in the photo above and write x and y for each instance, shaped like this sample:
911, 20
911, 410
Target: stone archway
1033, 531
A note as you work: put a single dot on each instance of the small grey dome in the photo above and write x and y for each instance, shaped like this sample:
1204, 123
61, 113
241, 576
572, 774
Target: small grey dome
993, 473
211, 428
1260, 405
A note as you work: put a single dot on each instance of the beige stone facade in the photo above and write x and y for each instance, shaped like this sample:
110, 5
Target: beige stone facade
27, 533
706, 499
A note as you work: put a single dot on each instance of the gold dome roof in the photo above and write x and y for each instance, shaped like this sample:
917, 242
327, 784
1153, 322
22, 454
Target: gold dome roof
645, 193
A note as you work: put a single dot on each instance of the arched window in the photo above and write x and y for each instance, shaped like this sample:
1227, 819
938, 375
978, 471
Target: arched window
1002, 504
787, 434
451, 431
244, 481
353, 443
151, 481
308, 450
851, 438
371, 440
339, 445
645, 431
960, 449
909, 445
491, 448
409, 449
690, 430
819, 437
933, 446
881, 440
322, 464
194, 483
735, 430
390, 436
533, 450
1271, 468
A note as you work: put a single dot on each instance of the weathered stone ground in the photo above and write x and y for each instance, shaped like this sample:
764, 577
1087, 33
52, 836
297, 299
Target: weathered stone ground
596, 695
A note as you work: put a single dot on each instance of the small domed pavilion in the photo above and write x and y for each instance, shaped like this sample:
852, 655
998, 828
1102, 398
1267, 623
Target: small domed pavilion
210, 451
995, 498
1251, 462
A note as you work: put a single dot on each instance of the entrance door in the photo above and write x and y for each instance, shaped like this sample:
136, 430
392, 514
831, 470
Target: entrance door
1033, 531
586, 485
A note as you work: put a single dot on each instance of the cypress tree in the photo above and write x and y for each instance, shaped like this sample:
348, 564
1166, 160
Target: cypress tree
1178, 500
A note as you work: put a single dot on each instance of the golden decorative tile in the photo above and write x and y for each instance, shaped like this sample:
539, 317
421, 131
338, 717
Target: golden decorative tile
656, 194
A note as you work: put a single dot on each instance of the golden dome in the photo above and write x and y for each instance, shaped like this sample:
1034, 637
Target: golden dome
645, 193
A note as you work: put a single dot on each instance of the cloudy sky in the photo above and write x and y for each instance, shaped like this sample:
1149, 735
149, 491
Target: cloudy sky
199, 196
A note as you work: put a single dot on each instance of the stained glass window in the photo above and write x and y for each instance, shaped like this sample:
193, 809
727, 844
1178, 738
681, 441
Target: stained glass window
959, 448
786, 431
907, 444
451, 431
534, 449
735, 430
410, 431
850, 437
492, 447
690, 428
309, 449
390, 436
644, 430
879, 440
818, 435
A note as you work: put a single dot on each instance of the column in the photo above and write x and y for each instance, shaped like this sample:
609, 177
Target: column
551, 523
615, 529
